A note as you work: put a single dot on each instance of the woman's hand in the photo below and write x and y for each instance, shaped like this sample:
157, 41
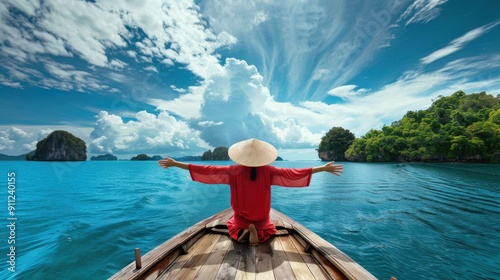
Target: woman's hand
331, 167
166, 163
169, 162
335, 169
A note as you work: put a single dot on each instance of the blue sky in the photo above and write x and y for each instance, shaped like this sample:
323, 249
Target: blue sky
181, 77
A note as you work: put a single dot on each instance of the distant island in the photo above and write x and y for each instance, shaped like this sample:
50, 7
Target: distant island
19, 157
60, 145
458, 128
104, 157
146, 157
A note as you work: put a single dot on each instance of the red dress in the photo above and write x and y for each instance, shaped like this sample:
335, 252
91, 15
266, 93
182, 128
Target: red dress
251, 200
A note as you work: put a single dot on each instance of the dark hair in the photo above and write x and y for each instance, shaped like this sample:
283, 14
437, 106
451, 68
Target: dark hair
253, 173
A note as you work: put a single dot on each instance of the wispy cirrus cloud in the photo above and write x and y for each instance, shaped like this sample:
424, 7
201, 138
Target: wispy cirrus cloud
347, 91
458, 43
422, 11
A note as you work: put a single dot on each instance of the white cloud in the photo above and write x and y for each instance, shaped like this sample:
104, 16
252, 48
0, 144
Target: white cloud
236, 105
209, 123
97, 28
4, 81
422, 11
117, 64
19, 133
10, 136
347, 91
5, 142
148, 133
170, 32
30, 146
187, 106
151, 68
458, 43
28, 7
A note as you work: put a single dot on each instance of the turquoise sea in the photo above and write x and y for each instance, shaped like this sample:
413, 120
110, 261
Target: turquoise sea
82, 220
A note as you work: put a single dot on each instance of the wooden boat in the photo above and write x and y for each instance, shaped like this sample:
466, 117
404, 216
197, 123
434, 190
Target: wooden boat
205, 251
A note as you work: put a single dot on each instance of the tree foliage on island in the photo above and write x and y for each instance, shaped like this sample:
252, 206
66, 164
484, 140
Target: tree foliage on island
335, 143
459, 127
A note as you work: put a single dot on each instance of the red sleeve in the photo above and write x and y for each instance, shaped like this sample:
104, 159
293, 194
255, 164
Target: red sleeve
209, 174
291, 177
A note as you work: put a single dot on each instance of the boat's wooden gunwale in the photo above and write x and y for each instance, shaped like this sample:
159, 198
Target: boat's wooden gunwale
344, 263
295, 251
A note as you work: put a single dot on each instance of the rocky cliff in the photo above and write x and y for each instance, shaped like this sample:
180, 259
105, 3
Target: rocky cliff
325, 156
60, 146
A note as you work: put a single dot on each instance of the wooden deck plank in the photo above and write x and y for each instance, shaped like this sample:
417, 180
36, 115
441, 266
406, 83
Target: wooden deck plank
263, 262
196, 261
313, 265
228, 268
294, 258
246, 263
281, 266
226, 217
213, 263
157, 270
184, 262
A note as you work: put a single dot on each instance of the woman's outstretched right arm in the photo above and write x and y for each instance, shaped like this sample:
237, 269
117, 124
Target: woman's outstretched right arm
335, 169
170, 162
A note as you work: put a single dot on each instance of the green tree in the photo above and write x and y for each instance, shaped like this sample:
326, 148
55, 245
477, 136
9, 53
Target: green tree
335, 143
463, 147
356, 152
494, 116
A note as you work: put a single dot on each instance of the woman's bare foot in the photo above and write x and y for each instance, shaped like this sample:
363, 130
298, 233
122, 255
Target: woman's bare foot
254, 238
244, 236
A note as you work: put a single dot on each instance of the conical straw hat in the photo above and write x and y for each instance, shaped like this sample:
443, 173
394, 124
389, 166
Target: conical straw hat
253, 153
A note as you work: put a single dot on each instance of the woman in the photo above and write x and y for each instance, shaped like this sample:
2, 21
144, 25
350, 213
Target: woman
250, 182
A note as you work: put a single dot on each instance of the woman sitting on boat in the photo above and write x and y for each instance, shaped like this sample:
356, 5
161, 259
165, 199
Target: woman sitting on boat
250, 183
